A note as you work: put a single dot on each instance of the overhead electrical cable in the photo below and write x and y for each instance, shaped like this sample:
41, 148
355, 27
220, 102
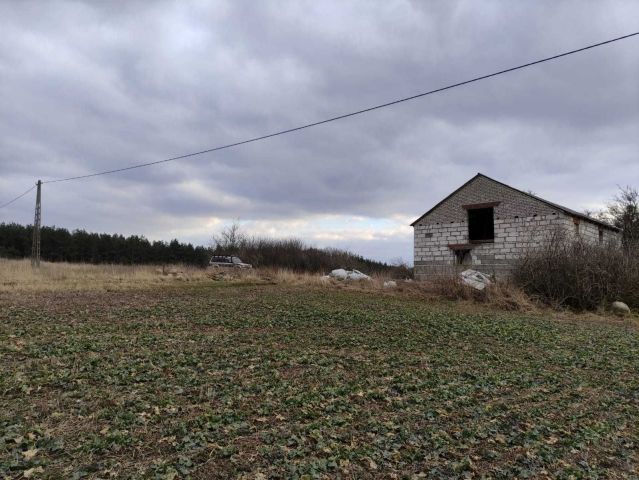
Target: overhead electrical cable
332, 119
346, 115
17, 198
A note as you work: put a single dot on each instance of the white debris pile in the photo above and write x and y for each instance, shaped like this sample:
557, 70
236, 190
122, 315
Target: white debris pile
342, 274
475, 279
390, 284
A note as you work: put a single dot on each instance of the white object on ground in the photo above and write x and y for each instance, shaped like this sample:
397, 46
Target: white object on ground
620, 308
341, 274
390, 284
475, 279
357, 275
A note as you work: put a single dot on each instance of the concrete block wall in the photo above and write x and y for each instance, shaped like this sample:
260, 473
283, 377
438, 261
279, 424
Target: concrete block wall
589, 232
521, 222
513, 237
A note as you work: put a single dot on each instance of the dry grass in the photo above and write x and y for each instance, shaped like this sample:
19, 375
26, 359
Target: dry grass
18, 275
502, 295
275, 276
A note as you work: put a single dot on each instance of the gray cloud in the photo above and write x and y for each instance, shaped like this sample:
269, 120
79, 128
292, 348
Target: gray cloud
99, 85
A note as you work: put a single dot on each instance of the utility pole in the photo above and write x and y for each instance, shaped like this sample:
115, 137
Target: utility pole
35, 246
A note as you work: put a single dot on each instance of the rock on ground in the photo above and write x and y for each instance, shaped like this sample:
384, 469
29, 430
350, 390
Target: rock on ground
620, 308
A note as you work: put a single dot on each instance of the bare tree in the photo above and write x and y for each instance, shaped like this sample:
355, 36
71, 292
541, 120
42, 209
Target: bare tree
399, 262
598, 215
230, 240
623, 211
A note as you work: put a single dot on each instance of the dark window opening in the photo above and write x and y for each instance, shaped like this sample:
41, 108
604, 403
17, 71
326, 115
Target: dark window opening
481, 225
600, 236
463, 257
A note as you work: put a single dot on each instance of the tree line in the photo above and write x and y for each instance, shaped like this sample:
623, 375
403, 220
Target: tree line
79, 246
293, 254
62, 245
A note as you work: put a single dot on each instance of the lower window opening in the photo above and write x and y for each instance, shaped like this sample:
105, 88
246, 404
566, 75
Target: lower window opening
463, 257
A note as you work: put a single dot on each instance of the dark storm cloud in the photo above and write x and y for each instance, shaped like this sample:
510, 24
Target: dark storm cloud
99, 85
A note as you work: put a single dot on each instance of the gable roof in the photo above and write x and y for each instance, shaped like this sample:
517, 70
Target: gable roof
566, 210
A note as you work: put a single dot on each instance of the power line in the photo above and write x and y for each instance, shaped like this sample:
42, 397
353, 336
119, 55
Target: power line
17, 198
340, 117
332, 119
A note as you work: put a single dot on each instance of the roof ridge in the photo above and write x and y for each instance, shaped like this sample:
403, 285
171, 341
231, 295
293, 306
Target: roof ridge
543, 200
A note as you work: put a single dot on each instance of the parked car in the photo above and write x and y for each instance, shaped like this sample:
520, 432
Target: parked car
228, 262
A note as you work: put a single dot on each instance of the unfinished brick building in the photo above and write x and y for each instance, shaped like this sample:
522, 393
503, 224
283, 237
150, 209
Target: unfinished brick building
487, 225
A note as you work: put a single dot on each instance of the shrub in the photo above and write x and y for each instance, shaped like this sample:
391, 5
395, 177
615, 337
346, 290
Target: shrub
295, 255
568, 272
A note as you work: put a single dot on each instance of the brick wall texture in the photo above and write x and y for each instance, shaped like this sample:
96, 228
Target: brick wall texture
521, 223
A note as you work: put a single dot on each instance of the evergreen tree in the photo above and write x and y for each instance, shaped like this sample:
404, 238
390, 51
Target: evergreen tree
60, 245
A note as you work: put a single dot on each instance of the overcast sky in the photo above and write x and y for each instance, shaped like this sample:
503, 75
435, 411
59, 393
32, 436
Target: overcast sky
89, 86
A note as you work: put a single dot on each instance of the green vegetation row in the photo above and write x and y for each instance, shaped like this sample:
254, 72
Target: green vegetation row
218, 381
